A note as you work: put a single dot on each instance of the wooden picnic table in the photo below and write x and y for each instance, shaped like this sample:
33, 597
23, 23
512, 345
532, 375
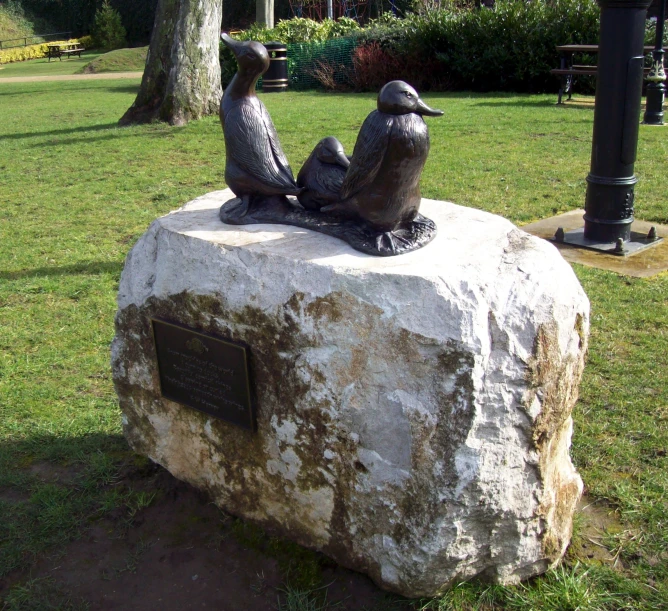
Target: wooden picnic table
568, 70
60, 49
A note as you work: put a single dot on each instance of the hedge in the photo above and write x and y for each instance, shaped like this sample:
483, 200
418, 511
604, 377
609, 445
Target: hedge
509, 47
19, 54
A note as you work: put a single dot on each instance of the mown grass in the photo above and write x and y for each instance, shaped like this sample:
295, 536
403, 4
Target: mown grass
44, 67
121, 60
77, 191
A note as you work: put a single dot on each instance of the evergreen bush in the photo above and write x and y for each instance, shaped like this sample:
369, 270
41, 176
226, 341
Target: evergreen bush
108, 31
510, 47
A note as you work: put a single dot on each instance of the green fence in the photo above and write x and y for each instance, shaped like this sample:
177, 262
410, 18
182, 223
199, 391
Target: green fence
310, 63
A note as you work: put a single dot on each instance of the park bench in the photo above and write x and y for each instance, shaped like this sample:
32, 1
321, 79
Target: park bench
568, 71
61, 50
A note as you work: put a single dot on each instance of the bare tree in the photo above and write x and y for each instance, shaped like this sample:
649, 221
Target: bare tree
181, 80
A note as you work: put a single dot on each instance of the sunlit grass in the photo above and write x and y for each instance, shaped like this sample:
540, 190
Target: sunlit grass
44, 67
77, 191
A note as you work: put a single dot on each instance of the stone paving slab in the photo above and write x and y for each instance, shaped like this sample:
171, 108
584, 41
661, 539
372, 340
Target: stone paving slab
644, 264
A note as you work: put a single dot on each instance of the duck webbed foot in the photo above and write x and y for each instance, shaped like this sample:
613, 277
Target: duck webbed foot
391, 243
405, 238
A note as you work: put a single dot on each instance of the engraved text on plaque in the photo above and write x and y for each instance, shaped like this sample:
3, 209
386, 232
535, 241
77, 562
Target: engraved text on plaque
204, 372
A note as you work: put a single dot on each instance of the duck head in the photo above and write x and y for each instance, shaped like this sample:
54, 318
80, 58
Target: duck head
399, 98
251, 56
330, 150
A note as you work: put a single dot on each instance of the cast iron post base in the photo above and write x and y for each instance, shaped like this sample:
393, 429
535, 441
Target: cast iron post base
635, 243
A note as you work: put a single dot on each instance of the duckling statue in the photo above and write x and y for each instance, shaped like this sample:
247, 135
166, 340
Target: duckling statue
382, 185
322, 174
256, 168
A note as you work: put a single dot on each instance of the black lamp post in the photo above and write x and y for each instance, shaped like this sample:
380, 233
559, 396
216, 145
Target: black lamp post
611, 182
656, 87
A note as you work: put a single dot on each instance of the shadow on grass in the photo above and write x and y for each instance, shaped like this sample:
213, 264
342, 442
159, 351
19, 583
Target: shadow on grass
54, 447
91, 268
581, 105
124, 88
58, 132
82, 140
523, 102
15, 93
64, 86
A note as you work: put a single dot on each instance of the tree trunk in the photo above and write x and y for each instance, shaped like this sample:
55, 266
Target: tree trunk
182, 76
264, 12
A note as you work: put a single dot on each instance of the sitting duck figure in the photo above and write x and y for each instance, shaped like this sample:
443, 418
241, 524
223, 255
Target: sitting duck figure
256, 168
382, 185
322, 174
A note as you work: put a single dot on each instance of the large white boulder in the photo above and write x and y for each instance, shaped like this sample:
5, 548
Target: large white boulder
413, 412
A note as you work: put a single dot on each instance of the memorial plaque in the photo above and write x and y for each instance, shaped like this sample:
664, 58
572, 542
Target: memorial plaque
204, 372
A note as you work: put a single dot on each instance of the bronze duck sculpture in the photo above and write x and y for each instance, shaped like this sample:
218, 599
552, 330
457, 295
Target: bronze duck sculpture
382, 185
256, 168
322, 174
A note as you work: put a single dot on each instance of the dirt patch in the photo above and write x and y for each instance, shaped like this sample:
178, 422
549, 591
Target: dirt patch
12, 496
594, 518
53, 473
182, 552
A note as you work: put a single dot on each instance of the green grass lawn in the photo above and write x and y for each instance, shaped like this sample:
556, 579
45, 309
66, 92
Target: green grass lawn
121, 60
77, 191
44, 67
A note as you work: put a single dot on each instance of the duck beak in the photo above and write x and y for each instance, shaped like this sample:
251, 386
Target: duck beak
230, 43
342, 160
423, 109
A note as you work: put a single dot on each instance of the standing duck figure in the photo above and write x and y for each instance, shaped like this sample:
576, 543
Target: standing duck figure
322, 174
256, 168
382, 185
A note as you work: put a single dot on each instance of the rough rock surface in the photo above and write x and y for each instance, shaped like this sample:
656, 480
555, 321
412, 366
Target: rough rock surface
413, 412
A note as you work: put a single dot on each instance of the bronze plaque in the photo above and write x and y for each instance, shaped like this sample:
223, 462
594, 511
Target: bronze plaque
204, 372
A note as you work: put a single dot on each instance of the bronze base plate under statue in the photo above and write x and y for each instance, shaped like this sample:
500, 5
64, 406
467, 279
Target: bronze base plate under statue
410, 236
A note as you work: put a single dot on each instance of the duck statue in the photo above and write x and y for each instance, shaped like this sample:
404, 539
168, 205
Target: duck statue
370, 200
382, 184
322, 174
256, 168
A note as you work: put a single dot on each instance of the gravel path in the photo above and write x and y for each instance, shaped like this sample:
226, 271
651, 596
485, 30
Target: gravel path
70, 77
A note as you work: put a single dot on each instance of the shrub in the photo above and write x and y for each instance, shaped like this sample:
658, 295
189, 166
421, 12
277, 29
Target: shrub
373, 66
86, 42
108, 31
509, 47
